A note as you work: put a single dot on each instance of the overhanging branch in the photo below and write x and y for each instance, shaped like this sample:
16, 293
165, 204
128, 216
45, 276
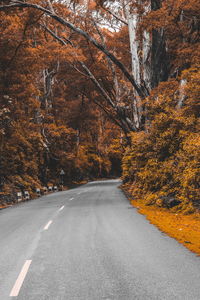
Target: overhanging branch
53, 15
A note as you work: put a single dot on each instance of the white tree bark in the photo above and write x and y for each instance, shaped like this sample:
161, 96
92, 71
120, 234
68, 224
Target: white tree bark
133, 20
140, 52
146, 52
132, 17
182, 95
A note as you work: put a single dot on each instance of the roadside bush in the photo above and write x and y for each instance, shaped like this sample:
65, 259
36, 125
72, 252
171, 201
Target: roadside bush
164, 160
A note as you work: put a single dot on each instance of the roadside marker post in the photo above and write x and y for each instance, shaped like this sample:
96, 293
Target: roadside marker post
50, 188
55, 188
19, 197
62, 174
38, 192
26, 195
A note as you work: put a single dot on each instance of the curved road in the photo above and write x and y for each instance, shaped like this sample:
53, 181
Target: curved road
88, 243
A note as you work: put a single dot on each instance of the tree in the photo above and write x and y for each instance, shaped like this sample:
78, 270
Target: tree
121, 112
46, 124
122, 60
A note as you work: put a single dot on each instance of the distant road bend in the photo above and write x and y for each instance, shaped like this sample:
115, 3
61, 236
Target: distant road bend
88, 243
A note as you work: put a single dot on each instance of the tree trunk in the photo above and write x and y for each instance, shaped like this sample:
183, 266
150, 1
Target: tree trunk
148, 53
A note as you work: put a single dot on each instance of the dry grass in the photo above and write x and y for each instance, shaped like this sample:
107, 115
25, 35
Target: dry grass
184, 228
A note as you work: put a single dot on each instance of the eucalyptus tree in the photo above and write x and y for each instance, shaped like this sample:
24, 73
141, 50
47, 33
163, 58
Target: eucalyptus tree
86, 19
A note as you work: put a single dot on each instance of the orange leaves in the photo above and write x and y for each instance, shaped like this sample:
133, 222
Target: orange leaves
58, 132
52, 122
10, 24
165, 160
184, 228
92, 5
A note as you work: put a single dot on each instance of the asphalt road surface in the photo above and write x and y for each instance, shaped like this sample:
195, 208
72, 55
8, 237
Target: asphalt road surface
88, 243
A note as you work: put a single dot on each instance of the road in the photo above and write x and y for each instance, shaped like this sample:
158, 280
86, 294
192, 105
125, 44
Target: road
89, 243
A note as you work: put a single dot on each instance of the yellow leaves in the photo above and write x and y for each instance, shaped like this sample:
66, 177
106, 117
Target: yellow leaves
138, 137
192, 144
166, 158
56, 130
151, 199
171, 223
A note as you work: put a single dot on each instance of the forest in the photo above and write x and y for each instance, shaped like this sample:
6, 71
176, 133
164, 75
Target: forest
102, 89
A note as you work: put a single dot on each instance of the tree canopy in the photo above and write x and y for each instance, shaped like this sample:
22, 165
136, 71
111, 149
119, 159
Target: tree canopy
85, 83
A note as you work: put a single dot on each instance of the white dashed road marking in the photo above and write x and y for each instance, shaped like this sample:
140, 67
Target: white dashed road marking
47, 225
18, 284
85, 191
71, 199
61, 208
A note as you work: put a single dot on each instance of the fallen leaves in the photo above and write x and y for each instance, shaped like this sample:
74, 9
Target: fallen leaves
184, 228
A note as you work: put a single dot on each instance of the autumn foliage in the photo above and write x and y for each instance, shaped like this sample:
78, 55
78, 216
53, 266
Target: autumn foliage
47, 120
163, 163
69, 99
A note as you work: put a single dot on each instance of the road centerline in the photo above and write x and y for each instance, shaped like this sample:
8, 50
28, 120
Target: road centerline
71, 199
46, 227
18, 284
61, 208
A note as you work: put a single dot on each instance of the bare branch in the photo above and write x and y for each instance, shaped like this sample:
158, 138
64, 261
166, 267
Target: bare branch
88, 72
114, 15
110, 115
110, 63
81, 32
125, 124
56, 36
51, 6
97, 84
